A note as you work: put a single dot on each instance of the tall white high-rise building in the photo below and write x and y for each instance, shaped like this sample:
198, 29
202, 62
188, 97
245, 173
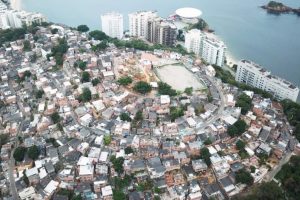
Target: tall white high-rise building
213, 51
138, 23
112, 24
254, 75
210, 49
194, 41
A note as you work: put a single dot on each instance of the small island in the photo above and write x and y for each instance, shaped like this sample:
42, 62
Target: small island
274, 7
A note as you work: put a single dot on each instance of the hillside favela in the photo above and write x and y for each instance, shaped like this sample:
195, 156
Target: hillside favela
147, 104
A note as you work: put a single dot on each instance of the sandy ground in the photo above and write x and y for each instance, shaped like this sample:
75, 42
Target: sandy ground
179, 77
16, 4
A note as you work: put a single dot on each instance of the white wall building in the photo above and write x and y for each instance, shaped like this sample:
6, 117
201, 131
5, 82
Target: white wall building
210, 49
16, 19
138, 23
193, 41
112, 24
254, 75
213, 51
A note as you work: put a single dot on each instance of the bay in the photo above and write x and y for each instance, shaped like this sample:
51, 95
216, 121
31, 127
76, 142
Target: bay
249, 32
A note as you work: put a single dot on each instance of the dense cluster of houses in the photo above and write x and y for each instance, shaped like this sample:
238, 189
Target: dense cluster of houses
75, 153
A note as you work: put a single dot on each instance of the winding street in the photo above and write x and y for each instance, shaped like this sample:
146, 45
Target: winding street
221, 108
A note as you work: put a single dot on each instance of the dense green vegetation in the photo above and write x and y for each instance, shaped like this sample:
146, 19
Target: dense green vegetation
188, 90
201, 25
55, 117
205, 155
26, 45
107, 139
95, 81
19, 153
83, 28
244, 102
81, 64
3, 139
86, 95
274, 4
85, 77
125, 117
128, 150
117, 163
289, 176
292, 111
237, 129
240, 145
243, 176
39, 94
142, 87
264, 191
9, 35
125, 80
176, 112
165, 89
33, 152
58, 51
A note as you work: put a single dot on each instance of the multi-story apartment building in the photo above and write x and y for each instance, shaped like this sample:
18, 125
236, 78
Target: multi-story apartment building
210, 49
16, 19
254, 75
160, 31
138, 23
194, 41
112, 24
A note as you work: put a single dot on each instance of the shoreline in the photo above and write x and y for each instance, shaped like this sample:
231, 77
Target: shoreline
230, 58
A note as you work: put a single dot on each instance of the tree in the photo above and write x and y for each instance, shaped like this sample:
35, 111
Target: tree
82, 65
117, 163
118, 195
128, 150
83, 28
55, 117
85, 77
95, 81
138, 116
243, 176
188, 90
208, 141
165, 89
19, 153
86, 95
125, 80
98, 35
244, 101
252, 169
107, 139
240, 145
9, 35
33, 152
176, 112
101, 46
26, 45
125, 117
142, 87
238, 128
54, 31
39, 94
264, 191
205, 155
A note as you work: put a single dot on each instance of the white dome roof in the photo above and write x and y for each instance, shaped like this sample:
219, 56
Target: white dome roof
188, 12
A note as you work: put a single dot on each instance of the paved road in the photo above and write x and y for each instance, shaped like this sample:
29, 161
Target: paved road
275, 170
221, 108
12, 182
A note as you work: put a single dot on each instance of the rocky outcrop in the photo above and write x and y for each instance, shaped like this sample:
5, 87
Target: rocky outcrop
279, 8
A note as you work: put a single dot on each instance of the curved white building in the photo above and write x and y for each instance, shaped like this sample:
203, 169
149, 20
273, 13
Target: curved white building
188, 13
